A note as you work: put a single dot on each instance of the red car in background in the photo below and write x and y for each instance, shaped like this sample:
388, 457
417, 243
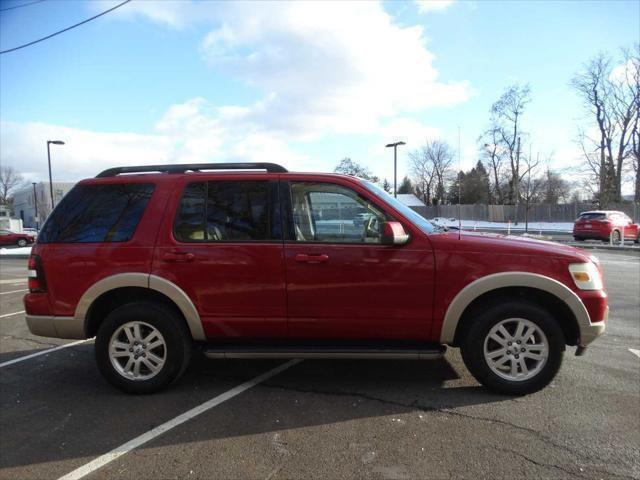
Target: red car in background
605, 225
8, 237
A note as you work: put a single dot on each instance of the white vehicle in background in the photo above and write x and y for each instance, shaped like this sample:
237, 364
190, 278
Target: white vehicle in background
30, 231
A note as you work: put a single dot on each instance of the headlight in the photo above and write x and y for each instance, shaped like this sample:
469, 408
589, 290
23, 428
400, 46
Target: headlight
586, 276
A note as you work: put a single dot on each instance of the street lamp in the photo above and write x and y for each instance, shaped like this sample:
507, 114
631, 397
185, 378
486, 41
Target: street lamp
395, 165
35, 202
49, 142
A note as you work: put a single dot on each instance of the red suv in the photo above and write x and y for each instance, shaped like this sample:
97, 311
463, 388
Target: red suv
8, 237
605, 225
252, 261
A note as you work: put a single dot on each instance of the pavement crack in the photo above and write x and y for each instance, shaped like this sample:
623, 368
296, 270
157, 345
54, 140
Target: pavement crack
446, 410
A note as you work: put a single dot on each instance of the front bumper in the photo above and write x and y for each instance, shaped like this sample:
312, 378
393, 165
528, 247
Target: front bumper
56, 327
589, 332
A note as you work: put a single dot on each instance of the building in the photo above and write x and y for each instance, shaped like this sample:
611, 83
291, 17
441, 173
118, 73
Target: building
25, 203
8, 223
413, 202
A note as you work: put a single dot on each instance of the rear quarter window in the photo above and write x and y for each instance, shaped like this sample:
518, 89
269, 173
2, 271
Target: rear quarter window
97, 213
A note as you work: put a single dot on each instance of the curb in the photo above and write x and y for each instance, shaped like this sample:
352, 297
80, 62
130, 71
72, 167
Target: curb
604, 246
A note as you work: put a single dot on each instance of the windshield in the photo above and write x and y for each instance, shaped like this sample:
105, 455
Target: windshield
414, 217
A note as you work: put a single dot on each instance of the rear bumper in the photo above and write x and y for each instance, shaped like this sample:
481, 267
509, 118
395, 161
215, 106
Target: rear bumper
56, 327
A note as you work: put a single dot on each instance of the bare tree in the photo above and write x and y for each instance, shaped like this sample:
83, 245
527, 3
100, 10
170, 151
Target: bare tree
431, 166
10, 180
531, 187
506, 119
423, 172
610, 96
492, 154
349, 167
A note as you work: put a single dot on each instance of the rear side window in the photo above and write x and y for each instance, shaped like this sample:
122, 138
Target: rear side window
97, 213
228, 211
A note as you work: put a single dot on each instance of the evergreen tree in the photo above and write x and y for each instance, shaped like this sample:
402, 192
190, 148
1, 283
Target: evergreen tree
406, 186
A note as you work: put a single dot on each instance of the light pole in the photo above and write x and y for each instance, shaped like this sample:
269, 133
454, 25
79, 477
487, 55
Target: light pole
395, 165
35, 202
49, 142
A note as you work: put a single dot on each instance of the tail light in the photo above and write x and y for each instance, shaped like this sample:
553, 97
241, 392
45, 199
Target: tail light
35, 275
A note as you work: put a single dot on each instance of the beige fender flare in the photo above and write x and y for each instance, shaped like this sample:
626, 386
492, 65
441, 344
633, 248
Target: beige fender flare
143, 280
510, 279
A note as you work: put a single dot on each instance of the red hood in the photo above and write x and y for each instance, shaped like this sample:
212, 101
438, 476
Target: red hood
506, 244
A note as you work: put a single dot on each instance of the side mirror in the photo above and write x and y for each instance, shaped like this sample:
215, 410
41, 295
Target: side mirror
393, 234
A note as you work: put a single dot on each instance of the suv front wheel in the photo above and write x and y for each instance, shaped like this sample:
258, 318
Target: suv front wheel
514, 348
142, 347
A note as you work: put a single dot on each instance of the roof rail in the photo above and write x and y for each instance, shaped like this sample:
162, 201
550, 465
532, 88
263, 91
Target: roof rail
194, 167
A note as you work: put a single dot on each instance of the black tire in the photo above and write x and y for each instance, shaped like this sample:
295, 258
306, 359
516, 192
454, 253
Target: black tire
176, 338
22, 242
472, 346
578, 239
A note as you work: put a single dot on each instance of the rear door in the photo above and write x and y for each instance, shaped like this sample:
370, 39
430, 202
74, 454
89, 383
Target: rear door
342, 283
223, 247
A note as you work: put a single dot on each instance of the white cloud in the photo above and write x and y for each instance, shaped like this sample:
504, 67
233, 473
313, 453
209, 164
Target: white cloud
321, 70
192, 132
320, 67
425, 6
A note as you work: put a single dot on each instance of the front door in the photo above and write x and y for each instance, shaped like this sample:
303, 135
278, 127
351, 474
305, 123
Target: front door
341, 281
223, 247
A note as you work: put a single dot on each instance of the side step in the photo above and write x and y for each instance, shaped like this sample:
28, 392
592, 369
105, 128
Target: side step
326, 352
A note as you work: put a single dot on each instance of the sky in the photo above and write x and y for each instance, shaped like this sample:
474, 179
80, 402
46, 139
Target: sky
303, 84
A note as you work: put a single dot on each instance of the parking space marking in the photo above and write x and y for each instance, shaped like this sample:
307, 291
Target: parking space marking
11, 314
635, 352
179, 420
14, 291
43, 352
13, 282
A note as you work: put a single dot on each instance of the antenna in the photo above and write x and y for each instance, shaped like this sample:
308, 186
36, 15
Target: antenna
459, 186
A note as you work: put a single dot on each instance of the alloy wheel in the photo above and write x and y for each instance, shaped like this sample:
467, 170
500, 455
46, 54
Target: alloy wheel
137, 351
516, 349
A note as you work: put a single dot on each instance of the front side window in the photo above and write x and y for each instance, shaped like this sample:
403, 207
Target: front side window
326, 212
227, 211
97, 213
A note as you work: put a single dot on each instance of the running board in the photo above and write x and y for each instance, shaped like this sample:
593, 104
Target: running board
326, 353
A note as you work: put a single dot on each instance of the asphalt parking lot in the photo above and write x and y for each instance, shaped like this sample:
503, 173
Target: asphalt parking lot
320, 418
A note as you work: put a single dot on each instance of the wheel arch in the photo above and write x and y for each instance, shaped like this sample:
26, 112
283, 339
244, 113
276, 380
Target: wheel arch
563, 303
107, 293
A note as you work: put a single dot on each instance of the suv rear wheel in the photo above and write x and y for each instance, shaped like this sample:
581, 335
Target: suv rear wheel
142, 347
514, 348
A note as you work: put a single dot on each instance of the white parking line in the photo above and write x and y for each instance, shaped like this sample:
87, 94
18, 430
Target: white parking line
42, 352
635, 352
11, 314
13, 282
179, 420
14, 291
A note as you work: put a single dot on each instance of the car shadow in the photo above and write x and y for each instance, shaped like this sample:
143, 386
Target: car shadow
66, 411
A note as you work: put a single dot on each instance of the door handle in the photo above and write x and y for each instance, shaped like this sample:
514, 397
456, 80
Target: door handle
305, 258
178, 257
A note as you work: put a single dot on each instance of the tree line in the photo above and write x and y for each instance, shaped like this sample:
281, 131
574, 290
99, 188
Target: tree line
508, 172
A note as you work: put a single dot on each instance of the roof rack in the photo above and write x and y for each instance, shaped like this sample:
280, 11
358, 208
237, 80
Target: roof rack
193, 167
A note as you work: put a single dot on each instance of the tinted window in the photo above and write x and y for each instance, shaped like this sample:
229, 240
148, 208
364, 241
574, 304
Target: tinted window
325, 212
228, 211
593, 216
97, 213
